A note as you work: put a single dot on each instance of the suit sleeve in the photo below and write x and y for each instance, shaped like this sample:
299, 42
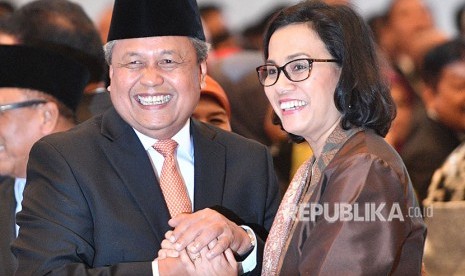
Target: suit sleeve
56, 224
273, 195
273, 200
368, 240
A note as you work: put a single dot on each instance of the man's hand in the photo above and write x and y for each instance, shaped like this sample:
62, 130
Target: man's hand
223, 264
167, 248
172, 266
207, 227
173, 262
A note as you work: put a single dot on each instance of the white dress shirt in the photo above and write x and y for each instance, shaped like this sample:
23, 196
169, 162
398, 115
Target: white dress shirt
184, 156
20, 183
185, 159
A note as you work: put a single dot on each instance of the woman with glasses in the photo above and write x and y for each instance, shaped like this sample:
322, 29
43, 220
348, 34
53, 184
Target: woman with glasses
350, 209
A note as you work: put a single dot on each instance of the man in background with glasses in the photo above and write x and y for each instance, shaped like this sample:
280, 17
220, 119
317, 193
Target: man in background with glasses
39, 93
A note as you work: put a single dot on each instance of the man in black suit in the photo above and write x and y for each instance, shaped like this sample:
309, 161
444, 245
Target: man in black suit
442, 127
39, 93
93, 203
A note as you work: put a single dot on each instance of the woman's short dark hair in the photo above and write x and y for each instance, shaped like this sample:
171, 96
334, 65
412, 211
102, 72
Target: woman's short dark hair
362, 94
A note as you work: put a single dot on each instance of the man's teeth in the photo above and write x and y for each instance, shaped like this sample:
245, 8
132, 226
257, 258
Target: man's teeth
292, 105
153, 100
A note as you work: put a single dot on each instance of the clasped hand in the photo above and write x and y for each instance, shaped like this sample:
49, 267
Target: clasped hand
204, 242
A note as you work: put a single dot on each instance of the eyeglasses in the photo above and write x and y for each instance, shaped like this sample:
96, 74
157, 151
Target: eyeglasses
295, 70
11, 106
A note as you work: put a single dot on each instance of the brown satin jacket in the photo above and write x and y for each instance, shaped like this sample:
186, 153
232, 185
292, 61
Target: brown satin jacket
365, 218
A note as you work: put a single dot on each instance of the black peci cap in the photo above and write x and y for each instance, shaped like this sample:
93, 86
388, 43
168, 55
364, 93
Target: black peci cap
43, 70
146, 18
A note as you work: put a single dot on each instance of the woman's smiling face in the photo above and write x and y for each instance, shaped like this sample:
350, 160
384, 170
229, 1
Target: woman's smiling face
306, 108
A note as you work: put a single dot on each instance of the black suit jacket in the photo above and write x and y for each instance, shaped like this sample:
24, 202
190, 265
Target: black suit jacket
7, 226
92, 203
426, 151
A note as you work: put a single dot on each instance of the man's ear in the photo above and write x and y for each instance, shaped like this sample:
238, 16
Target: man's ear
50, 114
110, 76
203, 74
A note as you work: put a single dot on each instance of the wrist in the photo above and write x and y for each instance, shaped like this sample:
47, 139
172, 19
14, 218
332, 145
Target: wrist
170, 266
248, 243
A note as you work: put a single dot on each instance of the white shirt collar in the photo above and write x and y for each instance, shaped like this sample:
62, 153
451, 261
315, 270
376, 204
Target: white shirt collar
183, 138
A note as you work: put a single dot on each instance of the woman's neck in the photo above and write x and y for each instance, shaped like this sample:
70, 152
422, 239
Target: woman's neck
318, 144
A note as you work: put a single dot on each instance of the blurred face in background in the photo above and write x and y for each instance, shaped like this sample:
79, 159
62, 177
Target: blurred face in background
407, 18
7, 39
447, 100
423, 41
214, 23
20, 128
210, 111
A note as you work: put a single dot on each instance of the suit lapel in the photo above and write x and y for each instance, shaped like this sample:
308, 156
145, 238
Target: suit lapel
210, 166
7, 212
132, 164
7, 225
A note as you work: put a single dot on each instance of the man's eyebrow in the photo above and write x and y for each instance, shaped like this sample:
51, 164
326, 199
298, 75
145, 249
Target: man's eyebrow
131, 54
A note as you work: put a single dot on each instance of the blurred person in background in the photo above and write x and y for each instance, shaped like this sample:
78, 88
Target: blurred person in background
442, 126
404, 34
7, 36
39, 94
233, 69
460, 20
65, 24
103, 23
6, 8
337, 2
252, 35
445, 206
448, 182
384, 37
214, 21
404, 97
8, 31
405, 21
213, 107
223, 41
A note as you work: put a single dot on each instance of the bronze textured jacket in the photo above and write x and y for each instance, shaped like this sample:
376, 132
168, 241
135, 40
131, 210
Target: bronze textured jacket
365, 219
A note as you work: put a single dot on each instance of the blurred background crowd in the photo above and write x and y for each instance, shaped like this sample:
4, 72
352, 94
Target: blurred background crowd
422, 49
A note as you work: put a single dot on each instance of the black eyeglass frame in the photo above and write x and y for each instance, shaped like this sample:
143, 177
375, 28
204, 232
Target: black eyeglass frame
12, 106
281, 68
